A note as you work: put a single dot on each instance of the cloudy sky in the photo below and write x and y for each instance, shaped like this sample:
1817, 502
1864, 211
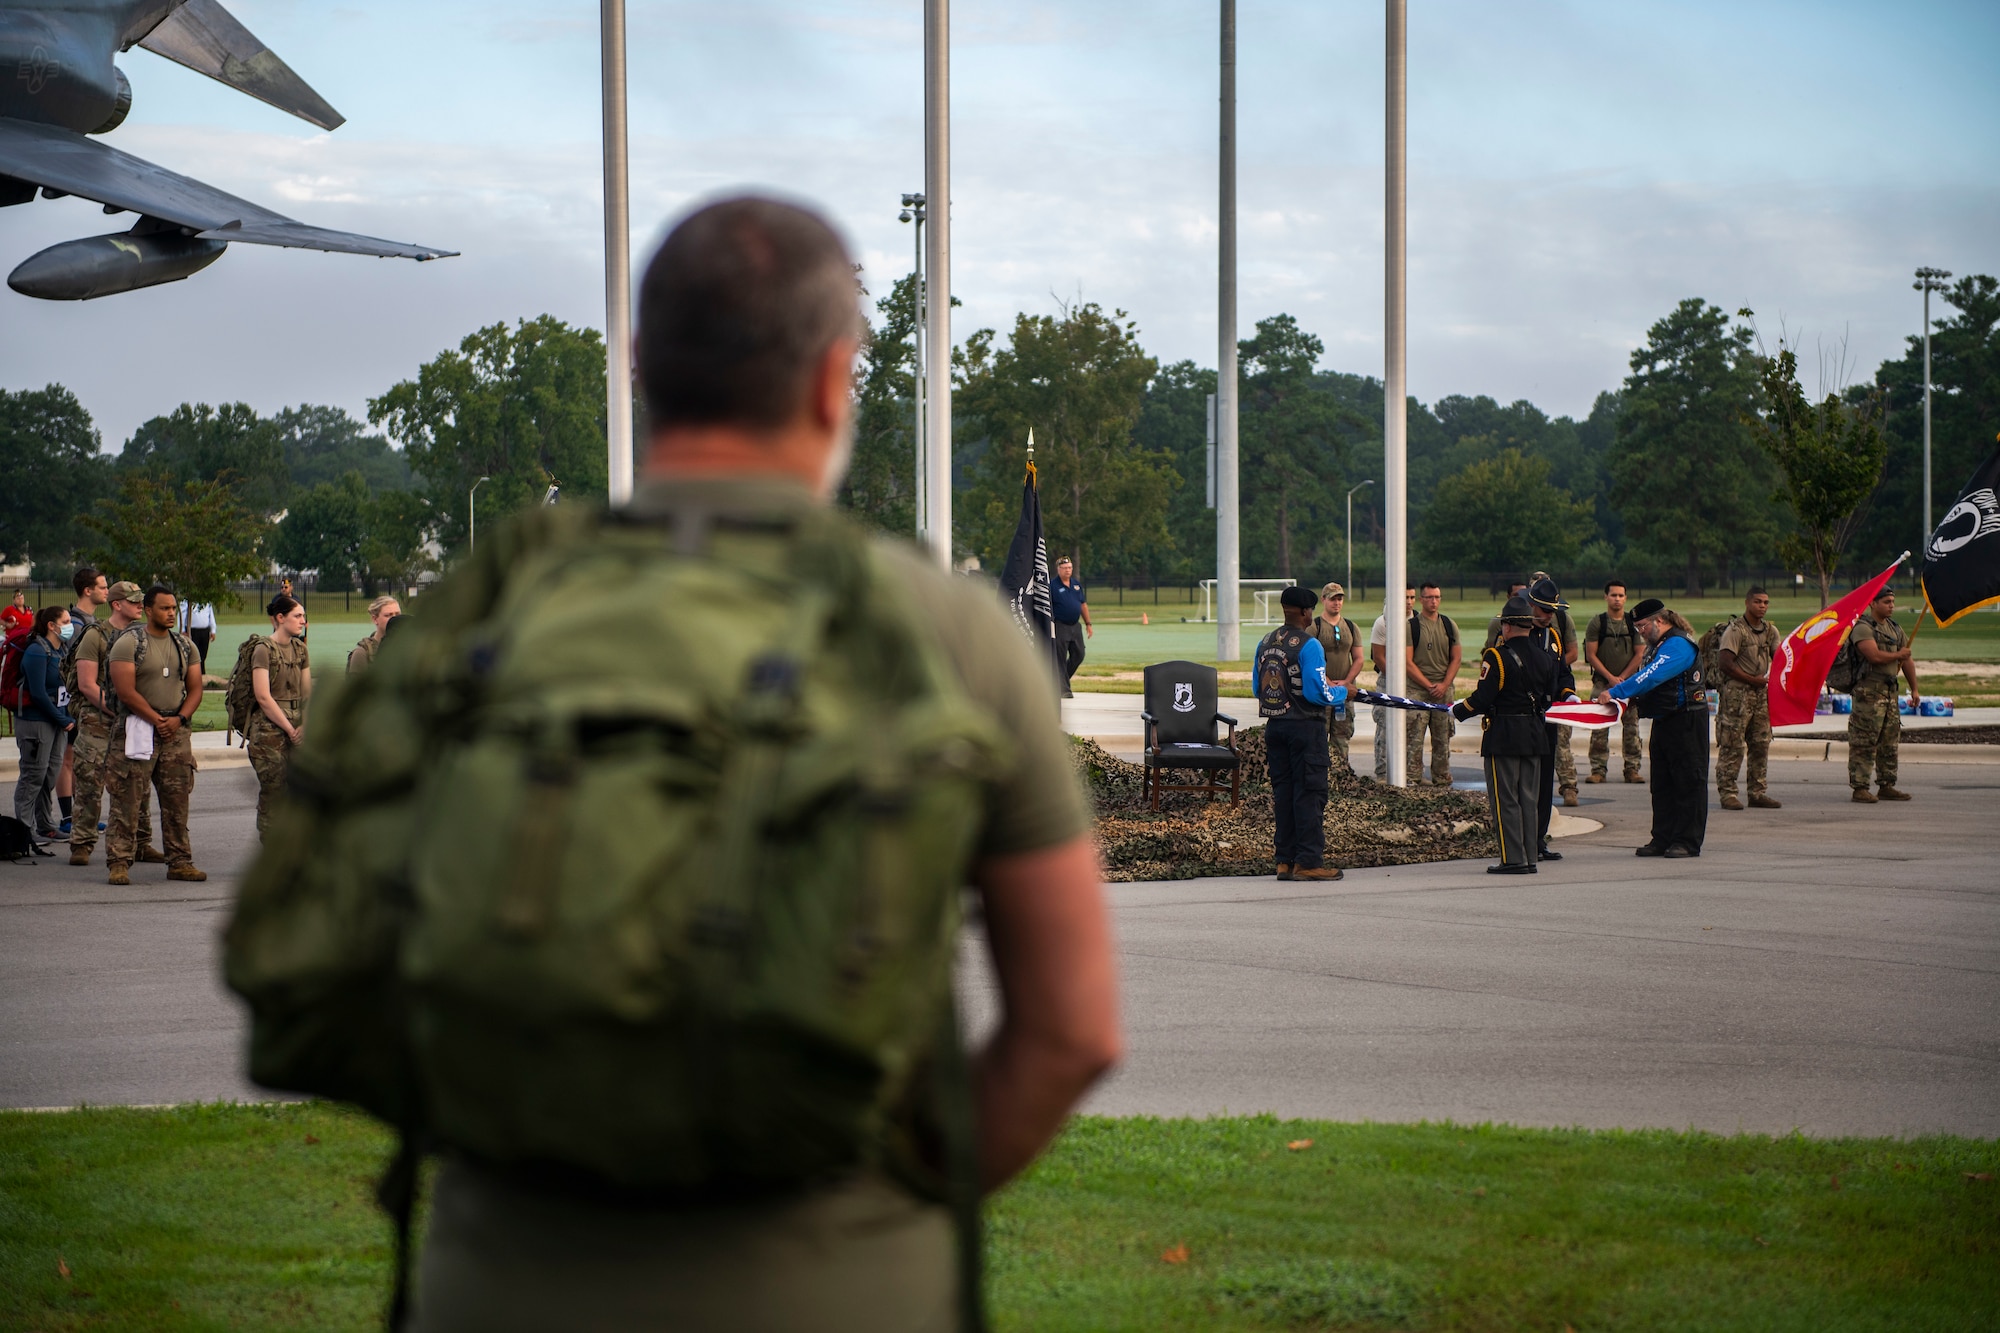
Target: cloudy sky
1576, 167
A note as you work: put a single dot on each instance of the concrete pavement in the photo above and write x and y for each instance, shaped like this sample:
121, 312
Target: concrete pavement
1827, 967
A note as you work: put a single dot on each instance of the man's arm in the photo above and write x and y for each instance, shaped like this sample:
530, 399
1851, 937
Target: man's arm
1410, 667
1089, 630
1734, 672
1353, 659
125, 680
1672, 657
1451, 670
1590, 656
1050, 939
86, 682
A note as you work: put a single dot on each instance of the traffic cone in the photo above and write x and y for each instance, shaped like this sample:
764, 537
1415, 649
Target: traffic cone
1143, 620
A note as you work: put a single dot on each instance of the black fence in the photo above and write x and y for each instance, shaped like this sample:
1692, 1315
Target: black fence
1579, 586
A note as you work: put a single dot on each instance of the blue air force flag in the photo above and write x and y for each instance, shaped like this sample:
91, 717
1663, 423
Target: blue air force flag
1962, 557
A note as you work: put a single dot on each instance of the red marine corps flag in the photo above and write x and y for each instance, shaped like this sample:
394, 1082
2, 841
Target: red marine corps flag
1798, 672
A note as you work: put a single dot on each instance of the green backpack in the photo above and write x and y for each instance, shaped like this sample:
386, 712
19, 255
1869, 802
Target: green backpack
239, 700
672, 909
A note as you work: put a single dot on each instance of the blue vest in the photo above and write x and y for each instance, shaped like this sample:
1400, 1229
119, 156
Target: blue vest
1280, 680
1681, 694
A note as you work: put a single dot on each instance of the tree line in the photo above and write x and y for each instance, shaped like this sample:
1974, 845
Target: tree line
1709, 456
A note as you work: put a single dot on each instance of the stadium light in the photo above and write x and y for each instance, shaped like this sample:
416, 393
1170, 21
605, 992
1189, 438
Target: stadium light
1928, 280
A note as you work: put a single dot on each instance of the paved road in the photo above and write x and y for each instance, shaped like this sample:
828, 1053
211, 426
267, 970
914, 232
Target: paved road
1829, 967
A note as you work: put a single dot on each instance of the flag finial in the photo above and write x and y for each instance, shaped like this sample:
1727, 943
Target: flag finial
1032, 478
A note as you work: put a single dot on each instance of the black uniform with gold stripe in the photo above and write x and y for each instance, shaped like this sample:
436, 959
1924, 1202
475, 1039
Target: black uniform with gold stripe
1518, 680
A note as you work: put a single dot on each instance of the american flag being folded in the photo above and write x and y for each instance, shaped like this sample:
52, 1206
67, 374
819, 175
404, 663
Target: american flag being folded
1590, 716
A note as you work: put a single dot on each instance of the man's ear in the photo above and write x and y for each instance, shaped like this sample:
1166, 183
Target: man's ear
832, 393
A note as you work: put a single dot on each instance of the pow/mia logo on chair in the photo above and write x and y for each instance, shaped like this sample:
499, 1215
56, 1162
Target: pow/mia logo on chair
1182, 726
1184, 696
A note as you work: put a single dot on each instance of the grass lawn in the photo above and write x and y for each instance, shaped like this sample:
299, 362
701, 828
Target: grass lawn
261, 1218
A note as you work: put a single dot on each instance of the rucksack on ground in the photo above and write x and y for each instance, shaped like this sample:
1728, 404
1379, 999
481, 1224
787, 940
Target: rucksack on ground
11, 652
239, 698
678, 916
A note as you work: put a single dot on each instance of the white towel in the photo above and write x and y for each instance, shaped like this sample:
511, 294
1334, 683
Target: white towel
138, 738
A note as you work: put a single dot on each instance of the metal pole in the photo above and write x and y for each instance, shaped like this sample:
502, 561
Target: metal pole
1228, 613
1395, 421
617, 258
917, 378
472, 515
1350, 536
1928, 280
937, 286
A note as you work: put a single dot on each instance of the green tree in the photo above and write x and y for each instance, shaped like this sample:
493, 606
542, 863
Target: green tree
399, 523
1293, 457
1687, 475
1173, 422
1078, 382
230, 444
1831, 455
523, 406
1502, 513
879, 486
193, 536
1965, 413
325, 444
324, 531
49, 455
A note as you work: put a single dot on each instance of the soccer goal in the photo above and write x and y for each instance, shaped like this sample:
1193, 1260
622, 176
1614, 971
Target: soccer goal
1264, 594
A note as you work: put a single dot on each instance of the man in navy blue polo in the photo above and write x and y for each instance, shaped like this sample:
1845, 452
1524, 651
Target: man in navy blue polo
1072, 612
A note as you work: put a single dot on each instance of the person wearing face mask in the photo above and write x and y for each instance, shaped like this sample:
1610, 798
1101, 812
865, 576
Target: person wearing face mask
280, 683
41, 729
87, 670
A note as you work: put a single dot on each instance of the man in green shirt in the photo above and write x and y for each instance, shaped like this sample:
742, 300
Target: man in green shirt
156, 674
1612, 646
1432, 659
1875, 727
747, 338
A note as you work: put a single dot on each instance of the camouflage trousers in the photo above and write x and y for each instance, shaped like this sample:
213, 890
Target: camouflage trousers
93, 751
170, 774
1874, 735
1381, 716
270, 755
1743, 723
1418, 724
1339, 733
1565, 763
1630, 747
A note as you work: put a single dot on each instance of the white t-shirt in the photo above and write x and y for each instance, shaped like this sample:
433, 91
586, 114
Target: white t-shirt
201, 615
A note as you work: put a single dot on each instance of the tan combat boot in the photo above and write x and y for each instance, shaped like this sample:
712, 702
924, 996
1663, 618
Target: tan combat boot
1569, 797
1595, 778
118, 876
1862, 796
1284, 870
79, 858
1765, 803
188, 873
1730, 802
1888, 793
152, 856
1317, 873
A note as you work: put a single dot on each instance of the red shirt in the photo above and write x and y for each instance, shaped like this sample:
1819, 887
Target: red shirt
13, 617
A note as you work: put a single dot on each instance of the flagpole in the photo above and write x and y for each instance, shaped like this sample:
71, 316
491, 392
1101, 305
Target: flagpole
937, 275
1228, 552
1395, 369
617, 259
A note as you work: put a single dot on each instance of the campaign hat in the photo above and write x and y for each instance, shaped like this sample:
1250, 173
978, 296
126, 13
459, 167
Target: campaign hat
1518, 611
1544, 593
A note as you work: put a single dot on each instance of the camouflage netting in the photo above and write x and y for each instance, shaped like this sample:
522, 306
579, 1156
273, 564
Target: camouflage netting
1367, 822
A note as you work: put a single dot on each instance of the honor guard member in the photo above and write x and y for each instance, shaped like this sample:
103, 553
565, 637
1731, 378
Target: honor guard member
1875, 727
96, 711
1069, 606
1614, 651
156, 675
1431, 658
1558, 634
280, 684
1294, 697
1670, 691
1515, 588
1743, 721
381, 611
1518, 680
1340, 640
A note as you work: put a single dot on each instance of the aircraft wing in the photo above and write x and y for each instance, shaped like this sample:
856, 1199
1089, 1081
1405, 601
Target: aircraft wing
64, 162
205, 37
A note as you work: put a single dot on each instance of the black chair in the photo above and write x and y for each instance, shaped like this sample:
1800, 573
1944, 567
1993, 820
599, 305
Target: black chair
1181, 721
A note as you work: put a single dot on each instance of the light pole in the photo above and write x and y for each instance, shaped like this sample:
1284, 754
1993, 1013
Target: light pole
913, 211
937, 267
1928, 280
472, 514
1228, 567
1350, 533
617, 258
1395, 358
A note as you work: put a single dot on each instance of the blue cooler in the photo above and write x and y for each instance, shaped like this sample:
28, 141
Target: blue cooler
1842, 703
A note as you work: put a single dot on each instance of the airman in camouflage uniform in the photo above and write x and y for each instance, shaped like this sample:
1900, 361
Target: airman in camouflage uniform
362, 656
1743, 720
281, 681
156, 671
1614, 651
1340, 639
95, 713
1875, 727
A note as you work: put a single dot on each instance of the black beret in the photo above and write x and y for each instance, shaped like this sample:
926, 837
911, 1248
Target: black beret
1302, 598
1649, 608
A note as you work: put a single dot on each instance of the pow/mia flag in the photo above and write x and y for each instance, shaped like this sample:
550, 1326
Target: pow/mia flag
1962, 557
1024, 579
